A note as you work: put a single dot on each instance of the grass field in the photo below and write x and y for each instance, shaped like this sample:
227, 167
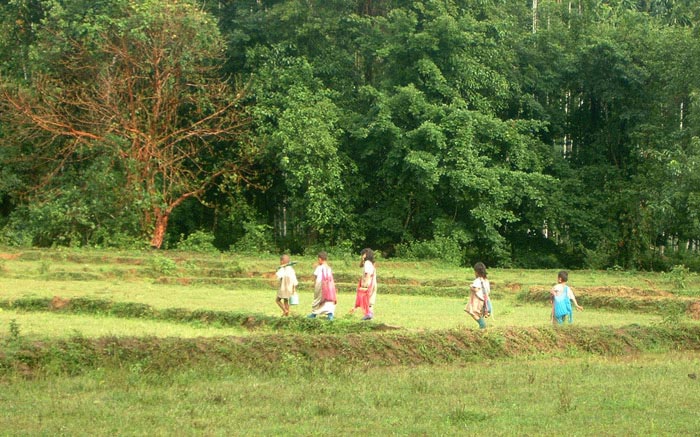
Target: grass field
635, 396
299, 377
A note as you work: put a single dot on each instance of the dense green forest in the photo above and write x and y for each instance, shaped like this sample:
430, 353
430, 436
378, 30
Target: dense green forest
530, 133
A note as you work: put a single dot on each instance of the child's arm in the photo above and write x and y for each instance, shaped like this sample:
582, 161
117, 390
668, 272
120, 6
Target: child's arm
552, 292
573, 299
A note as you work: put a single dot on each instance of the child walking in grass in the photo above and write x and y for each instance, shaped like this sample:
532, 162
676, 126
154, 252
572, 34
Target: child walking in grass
367, 287
288, 284
324, 289
479, 290
561, 296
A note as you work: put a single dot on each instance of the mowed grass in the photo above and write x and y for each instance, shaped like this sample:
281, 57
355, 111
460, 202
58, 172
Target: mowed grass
407, 312
633, 396
135, 278
42, 326
562, 393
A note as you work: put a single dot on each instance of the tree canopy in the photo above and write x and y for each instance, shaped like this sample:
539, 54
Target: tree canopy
534, 134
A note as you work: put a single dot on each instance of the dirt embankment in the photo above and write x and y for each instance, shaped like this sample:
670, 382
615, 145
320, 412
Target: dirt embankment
314, 353
626, 298
694, 310
616, 291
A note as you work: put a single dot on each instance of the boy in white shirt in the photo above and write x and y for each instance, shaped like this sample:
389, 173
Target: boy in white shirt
288, 284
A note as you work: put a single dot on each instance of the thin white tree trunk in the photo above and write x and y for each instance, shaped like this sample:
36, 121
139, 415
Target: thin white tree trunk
534, 16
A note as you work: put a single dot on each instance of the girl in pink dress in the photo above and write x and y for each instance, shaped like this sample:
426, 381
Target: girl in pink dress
367, 287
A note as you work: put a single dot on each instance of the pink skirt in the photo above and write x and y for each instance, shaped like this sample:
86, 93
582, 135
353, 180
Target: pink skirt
362, 299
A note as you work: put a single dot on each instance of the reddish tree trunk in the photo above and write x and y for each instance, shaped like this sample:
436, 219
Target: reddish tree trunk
161, 225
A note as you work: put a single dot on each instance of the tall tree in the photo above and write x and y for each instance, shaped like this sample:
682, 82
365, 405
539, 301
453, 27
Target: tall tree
139, 80
296, 122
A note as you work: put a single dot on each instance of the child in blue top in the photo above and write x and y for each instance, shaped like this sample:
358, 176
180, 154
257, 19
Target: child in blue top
562, 296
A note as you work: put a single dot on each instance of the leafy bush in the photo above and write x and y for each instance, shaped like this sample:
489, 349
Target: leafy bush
107, 238
598, 259
162, 265
257, 238
446, 249
342, 251
84, 205
15, 235
678, 276
44, 267
687, 258
14, 332
198, 241
536, 260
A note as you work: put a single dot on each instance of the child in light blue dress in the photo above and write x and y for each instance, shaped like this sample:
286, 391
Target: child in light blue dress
562, 296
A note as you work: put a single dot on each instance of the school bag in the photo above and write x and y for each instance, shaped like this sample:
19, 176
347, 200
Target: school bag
328, 291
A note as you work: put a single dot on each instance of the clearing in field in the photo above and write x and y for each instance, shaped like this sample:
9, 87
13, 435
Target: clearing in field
195, 343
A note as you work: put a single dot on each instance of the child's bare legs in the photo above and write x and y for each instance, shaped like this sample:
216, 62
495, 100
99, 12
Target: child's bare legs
284, 305
478, 318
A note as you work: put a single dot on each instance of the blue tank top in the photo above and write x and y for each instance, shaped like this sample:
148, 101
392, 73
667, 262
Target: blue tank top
562, 303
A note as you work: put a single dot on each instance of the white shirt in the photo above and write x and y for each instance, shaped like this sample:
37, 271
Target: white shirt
288, 271
477, 285
370, 271
319, 272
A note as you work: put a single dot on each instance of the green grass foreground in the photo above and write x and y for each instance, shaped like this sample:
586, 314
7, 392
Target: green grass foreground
171, 343
633, 396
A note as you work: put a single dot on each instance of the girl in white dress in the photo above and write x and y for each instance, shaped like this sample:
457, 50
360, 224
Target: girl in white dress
479, 290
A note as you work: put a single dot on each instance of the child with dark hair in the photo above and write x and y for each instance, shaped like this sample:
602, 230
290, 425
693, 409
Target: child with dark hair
562, 296
324, 289
288, 284
479, 290
367, 287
